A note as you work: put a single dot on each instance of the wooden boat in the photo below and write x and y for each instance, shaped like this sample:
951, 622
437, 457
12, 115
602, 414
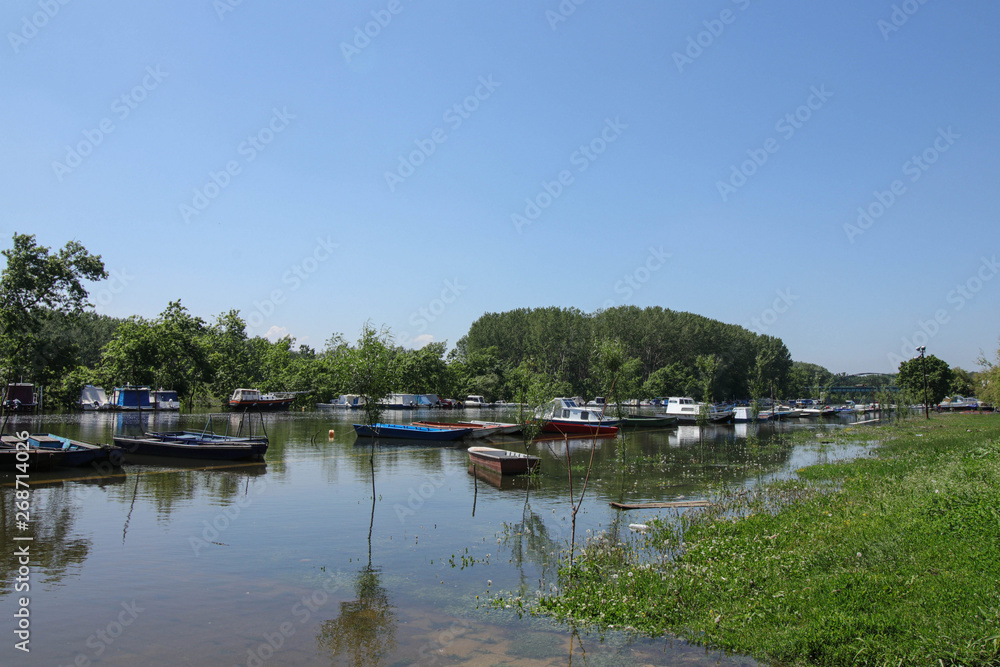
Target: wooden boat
502, 461
647, 421
75, 452
505, 427
253, 399
476, 431
218, 448
410, 432
31, 459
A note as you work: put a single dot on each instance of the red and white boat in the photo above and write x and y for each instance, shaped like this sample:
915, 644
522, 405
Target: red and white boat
253, 399
563, 415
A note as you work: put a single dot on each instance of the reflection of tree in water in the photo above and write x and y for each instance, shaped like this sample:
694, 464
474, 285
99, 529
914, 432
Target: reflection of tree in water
55, 548
365, 631
529, 541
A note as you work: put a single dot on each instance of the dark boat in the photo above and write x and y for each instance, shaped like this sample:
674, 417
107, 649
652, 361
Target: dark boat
408, 432
502, 461
75, 452
218, 448
253, 399
647, 421
17, 455
20, 398
204, 445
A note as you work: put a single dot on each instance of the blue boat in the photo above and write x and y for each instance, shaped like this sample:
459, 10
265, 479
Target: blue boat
409, 432
76, 453
131, 398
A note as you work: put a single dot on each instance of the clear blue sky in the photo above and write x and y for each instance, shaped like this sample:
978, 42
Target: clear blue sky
273, 158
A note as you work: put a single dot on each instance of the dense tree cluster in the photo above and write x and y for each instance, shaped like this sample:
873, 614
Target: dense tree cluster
671, 353
47, 336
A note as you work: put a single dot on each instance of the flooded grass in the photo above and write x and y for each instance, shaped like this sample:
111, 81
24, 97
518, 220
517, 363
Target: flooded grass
885, 559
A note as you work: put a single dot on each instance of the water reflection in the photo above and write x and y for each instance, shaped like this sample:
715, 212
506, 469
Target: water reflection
365, 631
57, 547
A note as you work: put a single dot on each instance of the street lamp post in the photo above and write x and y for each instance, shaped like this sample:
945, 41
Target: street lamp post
923, 371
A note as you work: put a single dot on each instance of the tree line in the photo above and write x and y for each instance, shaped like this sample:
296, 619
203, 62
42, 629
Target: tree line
50, 336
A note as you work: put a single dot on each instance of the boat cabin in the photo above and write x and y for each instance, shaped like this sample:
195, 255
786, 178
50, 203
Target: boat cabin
20, 397
131, 398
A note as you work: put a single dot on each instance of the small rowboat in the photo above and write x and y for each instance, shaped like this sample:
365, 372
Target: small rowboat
194, 448
76, 453
505, 427
647, 421
410, 432
17, 455
502, 461
476, 431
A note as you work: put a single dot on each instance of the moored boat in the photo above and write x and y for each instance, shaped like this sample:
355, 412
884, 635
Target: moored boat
563, 415
502, 461
476, 431
165, 399
647, 421
17, 454
194, 446
743, 414
409, 432
254, 399
688, 411
93, 398
506, 428
77, 453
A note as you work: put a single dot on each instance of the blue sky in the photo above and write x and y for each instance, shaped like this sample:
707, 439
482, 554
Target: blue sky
826, 174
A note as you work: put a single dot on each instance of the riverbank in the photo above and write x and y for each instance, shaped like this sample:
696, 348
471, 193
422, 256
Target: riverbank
889, 559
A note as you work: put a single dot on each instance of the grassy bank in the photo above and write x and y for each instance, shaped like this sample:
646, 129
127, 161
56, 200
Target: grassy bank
893, 559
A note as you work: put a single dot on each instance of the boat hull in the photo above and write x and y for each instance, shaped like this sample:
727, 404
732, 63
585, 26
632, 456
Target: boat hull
408, 432
577, 428
252, 450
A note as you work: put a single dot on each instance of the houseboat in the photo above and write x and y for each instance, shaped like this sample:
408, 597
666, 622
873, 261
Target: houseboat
165, 399
253, 399
687, 411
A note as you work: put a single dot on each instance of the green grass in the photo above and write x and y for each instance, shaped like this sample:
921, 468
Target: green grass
885, 560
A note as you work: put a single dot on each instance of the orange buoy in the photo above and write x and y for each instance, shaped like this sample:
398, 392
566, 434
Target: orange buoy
331, 434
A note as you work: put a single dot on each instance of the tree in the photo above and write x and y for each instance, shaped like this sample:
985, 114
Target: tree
372, 371
962, 382
911, 377
988, 389
34, 284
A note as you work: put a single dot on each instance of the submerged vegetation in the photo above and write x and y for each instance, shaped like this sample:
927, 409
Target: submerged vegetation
890, 558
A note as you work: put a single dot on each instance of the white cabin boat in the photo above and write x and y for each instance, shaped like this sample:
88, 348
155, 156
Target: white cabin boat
687, 410
399, 401
344, 401
476, 402
164, 399
93, 398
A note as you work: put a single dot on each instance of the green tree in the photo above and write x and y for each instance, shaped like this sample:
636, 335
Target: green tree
911, 377
988, 386
34, 284
372, 371
962, 382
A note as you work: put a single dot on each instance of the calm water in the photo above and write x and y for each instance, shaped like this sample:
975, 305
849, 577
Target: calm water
287, 563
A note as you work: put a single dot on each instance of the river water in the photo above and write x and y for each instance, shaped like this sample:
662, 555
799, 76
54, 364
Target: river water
296, 562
